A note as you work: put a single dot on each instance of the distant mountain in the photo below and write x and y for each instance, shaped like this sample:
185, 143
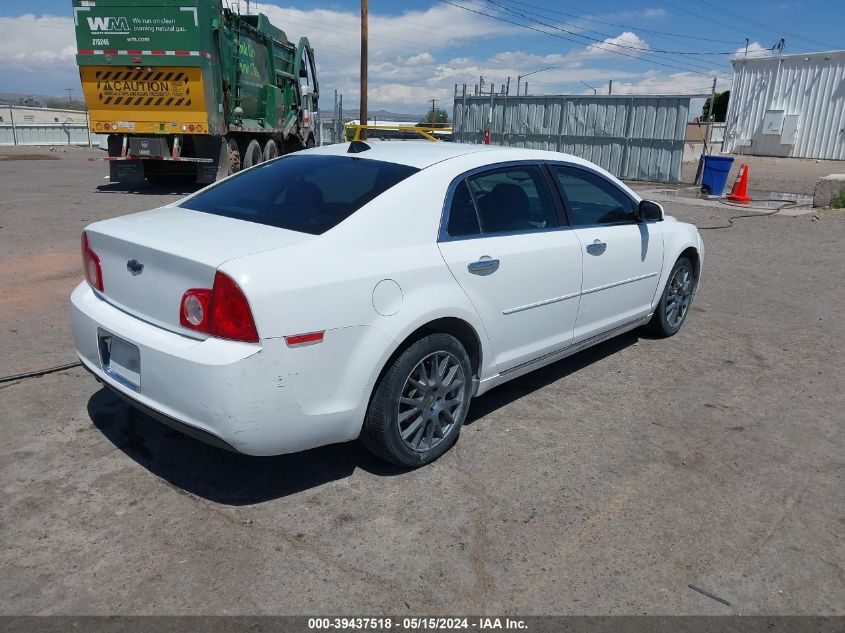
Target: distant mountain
14, 98
378, 115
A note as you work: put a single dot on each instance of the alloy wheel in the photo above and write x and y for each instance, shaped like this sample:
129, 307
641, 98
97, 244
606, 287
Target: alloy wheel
678, 296
431, 401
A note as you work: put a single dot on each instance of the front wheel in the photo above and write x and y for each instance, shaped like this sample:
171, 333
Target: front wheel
420, 403
675, 301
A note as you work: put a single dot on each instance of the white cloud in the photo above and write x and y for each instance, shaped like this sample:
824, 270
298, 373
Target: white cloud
670, 83
654, 13
628, 43
418, 60
32, 43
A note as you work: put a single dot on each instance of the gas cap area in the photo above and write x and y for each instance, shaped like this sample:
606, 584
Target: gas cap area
387, 297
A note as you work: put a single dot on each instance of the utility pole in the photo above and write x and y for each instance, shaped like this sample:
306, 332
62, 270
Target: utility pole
69, 97
610, 87
362, 110
433, 120
508, 88
710, 115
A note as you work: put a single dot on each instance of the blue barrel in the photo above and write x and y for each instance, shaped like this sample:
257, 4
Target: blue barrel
715, 175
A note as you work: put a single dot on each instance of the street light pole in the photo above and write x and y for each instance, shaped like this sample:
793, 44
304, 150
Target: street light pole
595, 92
519, 77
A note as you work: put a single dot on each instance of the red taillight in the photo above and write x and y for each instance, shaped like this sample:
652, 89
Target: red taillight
91, 264
222, 311
194, 312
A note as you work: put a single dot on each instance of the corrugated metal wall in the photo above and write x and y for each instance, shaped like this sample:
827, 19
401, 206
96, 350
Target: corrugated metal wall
811, 86
632, 137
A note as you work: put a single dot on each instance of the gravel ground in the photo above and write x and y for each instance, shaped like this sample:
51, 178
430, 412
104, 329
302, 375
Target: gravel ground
783, 175
605, 483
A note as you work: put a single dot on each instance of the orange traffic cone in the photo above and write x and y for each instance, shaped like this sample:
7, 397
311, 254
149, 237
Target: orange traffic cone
487, 136
739, 192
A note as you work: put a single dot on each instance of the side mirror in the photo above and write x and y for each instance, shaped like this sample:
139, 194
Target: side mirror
649, 211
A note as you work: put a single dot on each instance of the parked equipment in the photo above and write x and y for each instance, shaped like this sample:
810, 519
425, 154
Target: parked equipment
192, 88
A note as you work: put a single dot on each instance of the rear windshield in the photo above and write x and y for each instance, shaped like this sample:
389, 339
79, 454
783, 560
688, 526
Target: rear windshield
309, 194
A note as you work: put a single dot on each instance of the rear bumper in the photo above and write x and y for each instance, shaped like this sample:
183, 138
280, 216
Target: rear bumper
176, 425
257, 399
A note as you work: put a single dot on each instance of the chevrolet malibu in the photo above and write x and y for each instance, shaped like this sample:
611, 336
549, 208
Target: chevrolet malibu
371, 290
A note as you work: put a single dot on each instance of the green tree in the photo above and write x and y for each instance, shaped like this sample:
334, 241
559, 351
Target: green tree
720, 110
435, 117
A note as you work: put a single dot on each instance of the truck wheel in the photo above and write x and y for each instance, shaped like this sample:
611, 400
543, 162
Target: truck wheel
234, 157
310, 142
252, 154
271, 150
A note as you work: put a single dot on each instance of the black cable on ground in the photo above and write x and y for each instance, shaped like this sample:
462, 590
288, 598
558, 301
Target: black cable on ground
786, 205
40, 372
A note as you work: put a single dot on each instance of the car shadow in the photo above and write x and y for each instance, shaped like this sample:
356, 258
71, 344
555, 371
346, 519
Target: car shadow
486, 404
219, 475
175, 188
234, 479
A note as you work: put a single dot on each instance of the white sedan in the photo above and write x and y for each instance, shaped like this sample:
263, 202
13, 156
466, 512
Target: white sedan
371, 290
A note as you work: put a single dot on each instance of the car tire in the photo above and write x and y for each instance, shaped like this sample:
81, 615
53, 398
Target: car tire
420, 403
675, 301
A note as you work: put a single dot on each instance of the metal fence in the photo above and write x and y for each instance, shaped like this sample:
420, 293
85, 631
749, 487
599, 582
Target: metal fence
635, 137
44, 134
43, 126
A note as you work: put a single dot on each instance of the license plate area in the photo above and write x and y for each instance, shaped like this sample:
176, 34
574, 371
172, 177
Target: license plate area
120, 359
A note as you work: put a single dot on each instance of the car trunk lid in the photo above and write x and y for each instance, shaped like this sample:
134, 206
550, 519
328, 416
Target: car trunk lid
150, 259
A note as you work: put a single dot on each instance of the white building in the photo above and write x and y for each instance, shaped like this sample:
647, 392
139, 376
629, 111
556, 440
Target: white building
788, 105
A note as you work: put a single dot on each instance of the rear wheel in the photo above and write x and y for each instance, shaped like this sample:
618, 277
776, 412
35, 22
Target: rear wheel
310, 142
252, 154
234, 156
421, 402
675, 301
271, 150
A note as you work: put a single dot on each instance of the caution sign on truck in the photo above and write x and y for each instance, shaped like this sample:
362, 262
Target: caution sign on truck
153, 87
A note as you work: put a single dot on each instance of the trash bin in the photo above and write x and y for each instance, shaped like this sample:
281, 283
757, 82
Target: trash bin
715, 175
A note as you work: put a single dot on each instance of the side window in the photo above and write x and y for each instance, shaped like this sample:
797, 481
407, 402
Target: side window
513, 199
592, 199
463, 221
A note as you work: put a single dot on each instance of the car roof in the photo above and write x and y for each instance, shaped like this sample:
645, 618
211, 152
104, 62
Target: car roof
422, 154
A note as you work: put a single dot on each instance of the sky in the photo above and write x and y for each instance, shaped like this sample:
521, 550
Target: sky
419, 49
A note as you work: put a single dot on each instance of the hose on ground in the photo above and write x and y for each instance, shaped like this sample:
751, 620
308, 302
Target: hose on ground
786, 205
40, 372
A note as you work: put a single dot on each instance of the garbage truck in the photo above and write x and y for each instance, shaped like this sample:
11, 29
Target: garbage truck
192, 87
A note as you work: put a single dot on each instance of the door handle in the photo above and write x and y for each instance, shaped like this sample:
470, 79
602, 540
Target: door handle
484, 266
596, 248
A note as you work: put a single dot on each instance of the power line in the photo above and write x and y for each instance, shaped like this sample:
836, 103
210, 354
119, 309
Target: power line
569, 39
778, 30
625, 26
708, 66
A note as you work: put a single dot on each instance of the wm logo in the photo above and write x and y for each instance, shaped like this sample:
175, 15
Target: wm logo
108, 24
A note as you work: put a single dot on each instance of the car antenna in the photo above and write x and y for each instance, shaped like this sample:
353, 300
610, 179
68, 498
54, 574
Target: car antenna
356, 147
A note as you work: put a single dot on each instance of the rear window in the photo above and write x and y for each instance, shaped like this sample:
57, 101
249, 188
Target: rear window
309, 194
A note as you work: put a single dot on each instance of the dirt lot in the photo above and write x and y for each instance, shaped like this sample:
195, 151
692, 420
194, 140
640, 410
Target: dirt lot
783, 175
605, 483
